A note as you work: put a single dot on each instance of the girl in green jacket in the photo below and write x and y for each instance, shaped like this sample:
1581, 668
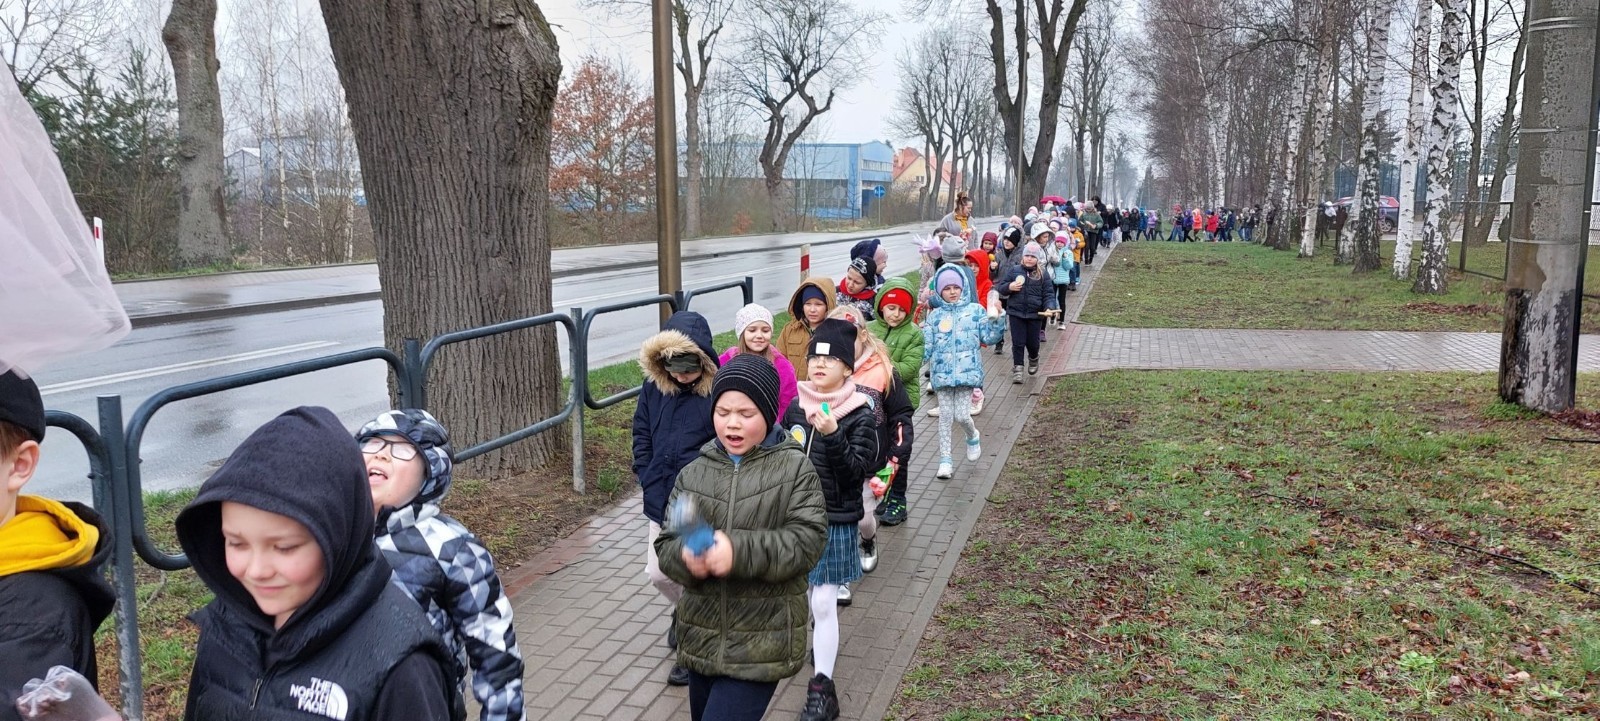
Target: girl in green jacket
741, 623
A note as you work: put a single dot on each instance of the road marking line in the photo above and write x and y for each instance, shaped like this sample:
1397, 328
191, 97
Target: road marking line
180, 367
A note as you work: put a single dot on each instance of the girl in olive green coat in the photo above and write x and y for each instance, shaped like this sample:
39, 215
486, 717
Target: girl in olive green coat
741, 623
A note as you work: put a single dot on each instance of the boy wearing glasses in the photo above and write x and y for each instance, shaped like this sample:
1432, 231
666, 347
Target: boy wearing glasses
437, 561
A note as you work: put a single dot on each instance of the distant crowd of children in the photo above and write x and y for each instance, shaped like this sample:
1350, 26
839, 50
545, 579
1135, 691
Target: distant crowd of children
342, 591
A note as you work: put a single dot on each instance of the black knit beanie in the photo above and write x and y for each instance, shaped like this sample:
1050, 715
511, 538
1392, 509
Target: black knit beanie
753, 376
836, 338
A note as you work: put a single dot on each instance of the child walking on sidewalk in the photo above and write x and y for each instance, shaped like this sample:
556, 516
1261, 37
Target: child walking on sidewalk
1029, 294
952, 337
904, 339
671, 422
1062, 271
743, 612
833, 421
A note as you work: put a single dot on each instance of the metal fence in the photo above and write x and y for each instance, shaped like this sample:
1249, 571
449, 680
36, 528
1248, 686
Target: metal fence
113, 446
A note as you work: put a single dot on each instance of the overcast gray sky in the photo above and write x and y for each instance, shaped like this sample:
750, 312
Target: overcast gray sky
859, 114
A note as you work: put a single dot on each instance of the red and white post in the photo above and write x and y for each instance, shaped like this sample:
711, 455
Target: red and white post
805, 262
100, 239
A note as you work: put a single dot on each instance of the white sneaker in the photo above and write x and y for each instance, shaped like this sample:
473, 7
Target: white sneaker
946, 469
844, 595
974, 449
977, 401
934, 411
1063, 326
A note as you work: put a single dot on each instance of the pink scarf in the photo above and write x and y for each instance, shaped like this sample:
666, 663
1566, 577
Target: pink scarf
840, 402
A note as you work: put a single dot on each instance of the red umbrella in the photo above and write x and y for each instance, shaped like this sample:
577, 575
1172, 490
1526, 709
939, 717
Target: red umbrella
1058, 200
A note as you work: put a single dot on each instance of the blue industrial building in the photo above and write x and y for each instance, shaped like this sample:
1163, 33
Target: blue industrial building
828, 180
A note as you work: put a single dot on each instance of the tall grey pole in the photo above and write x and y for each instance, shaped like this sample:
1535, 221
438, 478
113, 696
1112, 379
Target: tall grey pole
669, 252
1550, 216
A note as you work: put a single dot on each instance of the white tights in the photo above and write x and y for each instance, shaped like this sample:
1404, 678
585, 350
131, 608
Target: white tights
825, 635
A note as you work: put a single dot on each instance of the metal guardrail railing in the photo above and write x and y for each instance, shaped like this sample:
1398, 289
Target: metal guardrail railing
113, 448
141, 420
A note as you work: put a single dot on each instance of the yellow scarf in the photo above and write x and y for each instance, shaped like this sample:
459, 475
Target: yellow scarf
45, 535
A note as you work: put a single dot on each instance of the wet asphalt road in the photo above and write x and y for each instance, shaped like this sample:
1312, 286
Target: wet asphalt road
187, 440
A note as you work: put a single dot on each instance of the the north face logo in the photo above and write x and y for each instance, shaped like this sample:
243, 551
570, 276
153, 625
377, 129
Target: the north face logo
321, 697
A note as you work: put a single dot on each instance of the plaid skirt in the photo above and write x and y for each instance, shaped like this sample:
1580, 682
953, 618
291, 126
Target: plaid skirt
841, 558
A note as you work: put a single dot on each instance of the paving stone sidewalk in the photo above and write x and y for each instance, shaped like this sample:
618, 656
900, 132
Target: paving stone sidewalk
1101, 348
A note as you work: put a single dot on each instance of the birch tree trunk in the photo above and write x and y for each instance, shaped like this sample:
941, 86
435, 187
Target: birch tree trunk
1555, 174
1318, 155
1367, 231
1416, 127
450, 104
1441, 127
191, 40
1283, 179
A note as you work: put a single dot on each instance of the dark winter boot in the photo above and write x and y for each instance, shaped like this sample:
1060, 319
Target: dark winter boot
822, 702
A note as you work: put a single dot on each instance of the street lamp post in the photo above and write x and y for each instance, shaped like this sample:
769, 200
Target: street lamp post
669, 252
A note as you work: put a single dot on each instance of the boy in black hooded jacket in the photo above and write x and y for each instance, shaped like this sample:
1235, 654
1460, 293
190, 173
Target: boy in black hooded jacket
305, 619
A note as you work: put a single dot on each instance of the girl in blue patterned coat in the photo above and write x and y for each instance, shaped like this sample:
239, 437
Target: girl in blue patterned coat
437, 561
952, 337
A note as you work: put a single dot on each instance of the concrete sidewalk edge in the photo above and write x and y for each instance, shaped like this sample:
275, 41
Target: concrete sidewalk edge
227, 311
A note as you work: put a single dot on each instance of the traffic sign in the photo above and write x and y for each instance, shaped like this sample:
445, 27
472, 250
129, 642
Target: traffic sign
877, 191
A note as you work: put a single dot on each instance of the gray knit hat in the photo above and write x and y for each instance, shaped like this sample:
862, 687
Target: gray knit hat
953, 249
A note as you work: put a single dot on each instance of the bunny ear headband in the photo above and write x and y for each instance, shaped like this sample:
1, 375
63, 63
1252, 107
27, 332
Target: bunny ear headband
926, 244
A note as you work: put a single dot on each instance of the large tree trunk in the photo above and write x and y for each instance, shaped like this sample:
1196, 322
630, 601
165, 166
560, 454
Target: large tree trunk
450, 103
1446, 96
191, 40
1416, 126
1368, 230
1318, 156
1555, 173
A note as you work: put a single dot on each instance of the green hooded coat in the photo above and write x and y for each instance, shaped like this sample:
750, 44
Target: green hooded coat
751, 624
904, 340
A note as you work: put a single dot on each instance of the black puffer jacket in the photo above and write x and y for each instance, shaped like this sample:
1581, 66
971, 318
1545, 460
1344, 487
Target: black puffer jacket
50, 617
843, 458
1037, 294
359, 649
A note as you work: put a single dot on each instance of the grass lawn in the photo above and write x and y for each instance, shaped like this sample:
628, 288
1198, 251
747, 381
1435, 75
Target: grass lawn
515, 517
1240, 285
1275, 545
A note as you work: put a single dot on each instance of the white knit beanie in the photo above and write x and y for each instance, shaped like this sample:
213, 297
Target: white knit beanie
750, 314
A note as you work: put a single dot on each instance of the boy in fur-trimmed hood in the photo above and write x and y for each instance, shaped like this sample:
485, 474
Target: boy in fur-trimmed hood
670, 423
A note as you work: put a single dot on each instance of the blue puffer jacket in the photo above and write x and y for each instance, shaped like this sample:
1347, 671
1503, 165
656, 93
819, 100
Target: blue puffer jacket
1062, 268
952, 337
671, 421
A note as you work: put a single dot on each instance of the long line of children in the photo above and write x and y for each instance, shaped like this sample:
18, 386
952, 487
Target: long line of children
341, 590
